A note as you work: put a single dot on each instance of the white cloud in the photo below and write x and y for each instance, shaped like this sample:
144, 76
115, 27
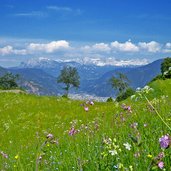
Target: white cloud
150, 46
64, 9
98, 47
48, 47
8, 50
57, 8
167, 48
128, 46
168, 45
101, 47
31, 14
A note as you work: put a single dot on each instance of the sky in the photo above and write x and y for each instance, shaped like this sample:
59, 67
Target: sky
107, 31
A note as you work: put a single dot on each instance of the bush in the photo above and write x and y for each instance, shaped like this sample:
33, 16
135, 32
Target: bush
8, 81
167, 74
166, 64
109, 99
129, 92
65, 96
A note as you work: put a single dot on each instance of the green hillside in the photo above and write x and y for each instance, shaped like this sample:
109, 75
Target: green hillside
51, 133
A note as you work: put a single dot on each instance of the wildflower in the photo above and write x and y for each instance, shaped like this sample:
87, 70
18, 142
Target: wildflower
133, 96
137, 154
86, 108
16, 157
91, 103
72, 131
149, 156
131, 168
164, 141
145, 125
128, 108
49, 136
4, 154
120, 166
127, 146
161, 155
107, 141
161, 164
55, 142
40, 157
113, 152
134, 125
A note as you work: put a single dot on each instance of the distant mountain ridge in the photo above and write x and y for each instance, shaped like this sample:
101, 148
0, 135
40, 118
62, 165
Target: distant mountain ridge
2, 71
39, 77
138, 77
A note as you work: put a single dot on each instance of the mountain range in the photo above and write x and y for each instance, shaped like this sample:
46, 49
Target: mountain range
39, 76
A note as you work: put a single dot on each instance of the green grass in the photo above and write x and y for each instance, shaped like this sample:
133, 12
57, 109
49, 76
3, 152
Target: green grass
26, 120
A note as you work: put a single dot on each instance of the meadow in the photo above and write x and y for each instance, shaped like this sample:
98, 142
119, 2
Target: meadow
53, 133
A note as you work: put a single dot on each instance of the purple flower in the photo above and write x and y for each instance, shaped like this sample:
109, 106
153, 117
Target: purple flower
91, 103
4, 154
161, 164
161, 155
128, 108
164, 141
49, 136
72, 131
86, 108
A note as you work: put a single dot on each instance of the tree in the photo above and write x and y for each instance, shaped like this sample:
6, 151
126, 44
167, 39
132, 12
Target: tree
120, 82
166, 64
8, 81
70, 77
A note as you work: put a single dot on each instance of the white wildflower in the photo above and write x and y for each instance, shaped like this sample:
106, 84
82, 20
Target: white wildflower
113, 152
127, 146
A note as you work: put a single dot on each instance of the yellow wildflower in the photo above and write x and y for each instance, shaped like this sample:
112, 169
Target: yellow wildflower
149, 156
17, 156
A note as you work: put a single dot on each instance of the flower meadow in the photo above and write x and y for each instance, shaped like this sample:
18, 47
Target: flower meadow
52, 133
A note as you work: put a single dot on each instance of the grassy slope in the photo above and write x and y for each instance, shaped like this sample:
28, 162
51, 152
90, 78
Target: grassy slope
27, 119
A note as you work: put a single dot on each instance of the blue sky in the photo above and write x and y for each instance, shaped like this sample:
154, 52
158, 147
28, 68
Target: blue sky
118, 30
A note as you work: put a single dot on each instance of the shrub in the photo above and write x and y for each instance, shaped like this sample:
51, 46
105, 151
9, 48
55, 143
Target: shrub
109, 99
167, 74
129, 92
8, 81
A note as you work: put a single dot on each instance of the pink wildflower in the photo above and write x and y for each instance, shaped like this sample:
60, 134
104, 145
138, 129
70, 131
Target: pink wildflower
4, 154
86, 108
49, 136
91, 103
161, 165
72, 131
128, 108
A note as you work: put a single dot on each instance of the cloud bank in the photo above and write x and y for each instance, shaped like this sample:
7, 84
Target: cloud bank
127, 52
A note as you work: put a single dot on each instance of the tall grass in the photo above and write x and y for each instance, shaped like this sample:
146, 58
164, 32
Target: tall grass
51, 133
